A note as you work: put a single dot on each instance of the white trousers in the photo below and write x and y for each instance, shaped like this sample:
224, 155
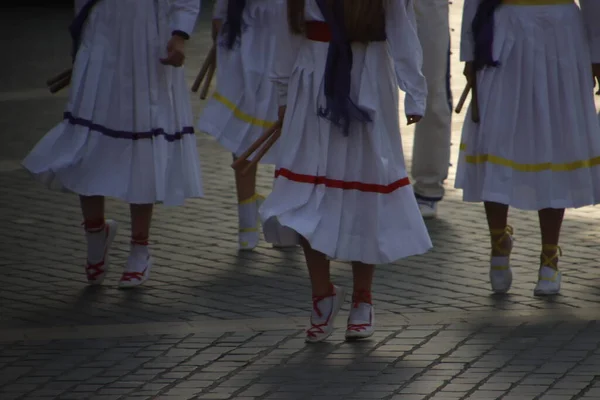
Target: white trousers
431, 148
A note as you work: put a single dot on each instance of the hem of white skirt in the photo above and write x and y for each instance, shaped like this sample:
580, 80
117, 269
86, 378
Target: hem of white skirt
272, 226
480, 197
52, 181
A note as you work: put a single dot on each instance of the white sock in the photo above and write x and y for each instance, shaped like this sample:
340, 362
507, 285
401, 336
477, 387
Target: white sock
96, 241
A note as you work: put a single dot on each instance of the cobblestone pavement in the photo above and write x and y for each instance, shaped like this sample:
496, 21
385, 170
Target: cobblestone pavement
215, 324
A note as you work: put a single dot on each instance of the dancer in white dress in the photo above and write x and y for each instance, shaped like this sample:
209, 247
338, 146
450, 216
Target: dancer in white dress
537, 145
341, 181
245, 102
128, 126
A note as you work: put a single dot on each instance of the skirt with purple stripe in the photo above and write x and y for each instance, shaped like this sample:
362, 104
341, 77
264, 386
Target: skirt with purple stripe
127, 131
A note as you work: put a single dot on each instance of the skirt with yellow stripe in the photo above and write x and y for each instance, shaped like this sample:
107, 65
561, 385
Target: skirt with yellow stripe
244, 104
538, 141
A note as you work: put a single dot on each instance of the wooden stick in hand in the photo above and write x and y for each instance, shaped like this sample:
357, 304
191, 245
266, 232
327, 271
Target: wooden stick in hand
261, 153
474, 101
207, 82
242, 161
210, 59
58, 85
60, 77
463, 98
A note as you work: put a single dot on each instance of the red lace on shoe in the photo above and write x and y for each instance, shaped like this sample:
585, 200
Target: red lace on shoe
361, 296
93, 271
316, 329
129, 276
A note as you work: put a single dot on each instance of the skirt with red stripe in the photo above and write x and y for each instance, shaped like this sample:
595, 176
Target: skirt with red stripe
348, 196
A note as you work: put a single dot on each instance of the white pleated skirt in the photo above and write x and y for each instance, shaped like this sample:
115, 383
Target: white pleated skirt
244, 104
538, 143
127, 130
349, 197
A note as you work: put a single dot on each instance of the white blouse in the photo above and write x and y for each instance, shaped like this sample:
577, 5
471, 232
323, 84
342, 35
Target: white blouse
183, 13
404, 49
591, 15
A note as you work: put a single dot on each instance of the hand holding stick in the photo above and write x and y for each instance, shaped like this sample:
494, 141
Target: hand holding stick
209, 76
268, 139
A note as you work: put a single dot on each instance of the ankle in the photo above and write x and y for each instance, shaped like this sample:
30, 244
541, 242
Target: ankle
139, 240
550, 255
362, 296
323, 292
94, 225
501, 241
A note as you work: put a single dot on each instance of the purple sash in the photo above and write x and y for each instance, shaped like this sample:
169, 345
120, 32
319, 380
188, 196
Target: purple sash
483, 34
340, 110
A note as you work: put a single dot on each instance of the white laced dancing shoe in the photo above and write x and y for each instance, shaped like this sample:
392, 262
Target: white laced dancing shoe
501, 275
325, 309
137, 270
549, 276
361, 321
96, 272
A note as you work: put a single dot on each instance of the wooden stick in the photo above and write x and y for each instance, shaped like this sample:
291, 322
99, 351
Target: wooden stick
463, 98
474, 101
59, 77
60, 85
207, 82
241, 161
272, 139
210, 59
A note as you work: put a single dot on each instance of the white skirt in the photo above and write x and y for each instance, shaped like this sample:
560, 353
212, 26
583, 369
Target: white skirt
128, 126
538, 143
244, 104
349, 197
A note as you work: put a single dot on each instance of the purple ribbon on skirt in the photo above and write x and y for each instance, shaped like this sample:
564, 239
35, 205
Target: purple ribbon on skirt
340, 109
483, 34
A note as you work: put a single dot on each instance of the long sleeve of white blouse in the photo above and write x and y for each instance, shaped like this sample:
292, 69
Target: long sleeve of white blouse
467, 45
220, 10
591, 15
286, 52
184, 14
407, 54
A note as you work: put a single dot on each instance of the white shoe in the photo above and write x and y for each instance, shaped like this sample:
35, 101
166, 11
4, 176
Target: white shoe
549, 276
97, 272
325, 309
428, 208
249, 235
501, 275
361, 321
548, 282
137, 270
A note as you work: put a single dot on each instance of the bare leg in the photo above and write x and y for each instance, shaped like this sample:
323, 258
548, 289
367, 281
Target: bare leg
497, 217
141, 218
363, 281
245, 184
92, 208
550, 224
318, 269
